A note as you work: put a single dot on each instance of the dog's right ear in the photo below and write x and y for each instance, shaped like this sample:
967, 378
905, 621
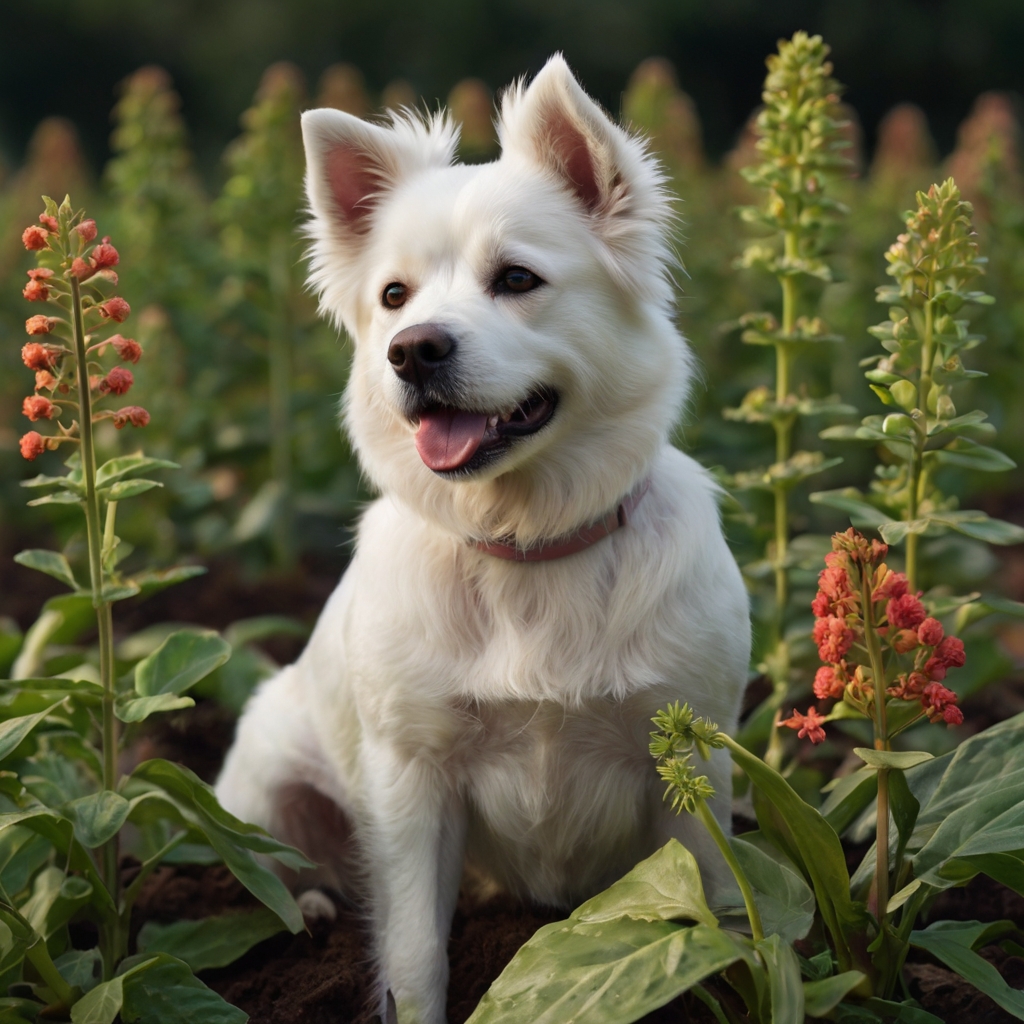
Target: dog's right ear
352, 164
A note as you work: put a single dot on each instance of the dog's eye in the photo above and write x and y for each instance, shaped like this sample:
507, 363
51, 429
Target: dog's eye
516, 280
395, 295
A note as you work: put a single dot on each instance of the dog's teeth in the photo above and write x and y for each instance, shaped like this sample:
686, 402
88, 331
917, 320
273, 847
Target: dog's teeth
492, 422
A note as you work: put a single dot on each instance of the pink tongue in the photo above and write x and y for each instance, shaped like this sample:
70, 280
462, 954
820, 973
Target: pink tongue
448, 438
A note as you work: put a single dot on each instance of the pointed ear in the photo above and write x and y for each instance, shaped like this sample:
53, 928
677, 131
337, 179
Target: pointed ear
352, 164
558, 128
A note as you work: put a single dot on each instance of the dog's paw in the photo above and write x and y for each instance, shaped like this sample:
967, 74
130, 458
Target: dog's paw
316, 906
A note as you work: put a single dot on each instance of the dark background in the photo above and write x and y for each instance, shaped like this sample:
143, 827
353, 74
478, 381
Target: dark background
67, 56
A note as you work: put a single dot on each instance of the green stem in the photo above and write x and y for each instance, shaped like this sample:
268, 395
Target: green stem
104, 618
881, 743
918, 476
281, 398
39, 956
711, 824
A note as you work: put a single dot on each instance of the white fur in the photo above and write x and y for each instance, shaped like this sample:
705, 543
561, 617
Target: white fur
453, 704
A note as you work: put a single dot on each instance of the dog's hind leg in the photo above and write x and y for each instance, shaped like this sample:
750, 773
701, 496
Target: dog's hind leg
276, 776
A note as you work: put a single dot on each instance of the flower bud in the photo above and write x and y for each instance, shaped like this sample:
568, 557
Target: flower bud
951, 652
115, 309
40, 273
50, 223
930, 632
32, 445
81, 269
133, 414
36, 291
37, 407
34, 238
905, 640
39, 324
45, 379
37, 357
87, 229
127, 348
117, 382
905, 394
105, 255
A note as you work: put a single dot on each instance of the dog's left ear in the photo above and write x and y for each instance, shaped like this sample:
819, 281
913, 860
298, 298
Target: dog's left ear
555, 125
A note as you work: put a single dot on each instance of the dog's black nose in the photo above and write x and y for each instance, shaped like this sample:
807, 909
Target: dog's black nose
418, 352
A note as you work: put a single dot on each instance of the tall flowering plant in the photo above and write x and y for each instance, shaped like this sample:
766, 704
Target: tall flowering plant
60, 736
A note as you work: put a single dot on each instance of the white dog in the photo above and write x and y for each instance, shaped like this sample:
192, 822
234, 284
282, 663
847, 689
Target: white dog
543, 570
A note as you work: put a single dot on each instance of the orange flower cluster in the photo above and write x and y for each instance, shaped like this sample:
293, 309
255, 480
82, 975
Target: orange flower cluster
62, 261
855, 573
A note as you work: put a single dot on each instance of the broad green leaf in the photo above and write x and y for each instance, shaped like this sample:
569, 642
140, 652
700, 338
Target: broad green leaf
897, 1013
967, 453
664, 887
180, 662
234, 841
895, 531
119, 591
167, 992
104, 1002
15, 730
128, 465
248, 631
804, 836
952, 942
53, 563
607, 973
904, 808
822, 996
784, 900
138, 709
212, 941
57, 498
97, 817
157, 579
982, 527
901, 759
851, 501
125, 489
848, 796
785, 985
899, 898
54, 481
80, 968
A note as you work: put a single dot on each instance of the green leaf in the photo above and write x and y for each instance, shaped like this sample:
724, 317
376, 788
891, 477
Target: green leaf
898, 1013
138, 709
981, 527
784, 900
118, 591
249, 631
848, 796
822, 996
607, 973
15, 730
212, 941
128, 489
167, 992
128, 465
952, 942
901, 759
234, 841
804, 836
54, 481
50, 562
969, 454
157, 579
180, 662
104, 1002
664, 887
785, 985
851, 501
80, 968
895, 531
97, 817
57, 498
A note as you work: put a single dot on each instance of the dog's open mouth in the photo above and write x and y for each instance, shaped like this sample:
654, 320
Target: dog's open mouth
451, 440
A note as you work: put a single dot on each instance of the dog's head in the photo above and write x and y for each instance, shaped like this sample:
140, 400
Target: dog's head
516, 366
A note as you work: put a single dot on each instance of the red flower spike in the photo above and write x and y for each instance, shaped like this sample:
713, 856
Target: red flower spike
930, 632
105, 255
952, 715
827, 684
32, 446
36, 291
39, 324
133, 414
34, 239
951, 652
82, 270
833, 637
934, 669
905, 612
809, 726
115, 309
36, 356
128, 349
893, 585
50, 223
87, 229
116, 382
37, 407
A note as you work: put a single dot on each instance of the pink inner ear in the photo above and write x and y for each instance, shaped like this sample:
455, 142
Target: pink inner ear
354, 179
570, 144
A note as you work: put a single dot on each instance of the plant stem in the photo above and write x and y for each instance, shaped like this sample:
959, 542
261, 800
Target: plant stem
39, 956
915, 485
711, 824
881, 743
280, 398
104, 618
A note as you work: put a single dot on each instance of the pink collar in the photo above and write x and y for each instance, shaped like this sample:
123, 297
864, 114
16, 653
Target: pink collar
573, 542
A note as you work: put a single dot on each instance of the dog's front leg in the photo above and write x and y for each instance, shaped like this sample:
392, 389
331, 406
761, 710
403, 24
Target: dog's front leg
416, 847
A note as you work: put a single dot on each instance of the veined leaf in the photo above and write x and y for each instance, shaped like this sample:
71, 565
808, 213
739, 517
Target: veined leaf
784, 900
156, 579
53, 563
54, 481
125, 489
180, 662
57, 498
138, 709
104, 1002
97, 817
851, 501
129, 465
822, 996
167, 992
14, 730
901, 759
212, 941
785, 985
